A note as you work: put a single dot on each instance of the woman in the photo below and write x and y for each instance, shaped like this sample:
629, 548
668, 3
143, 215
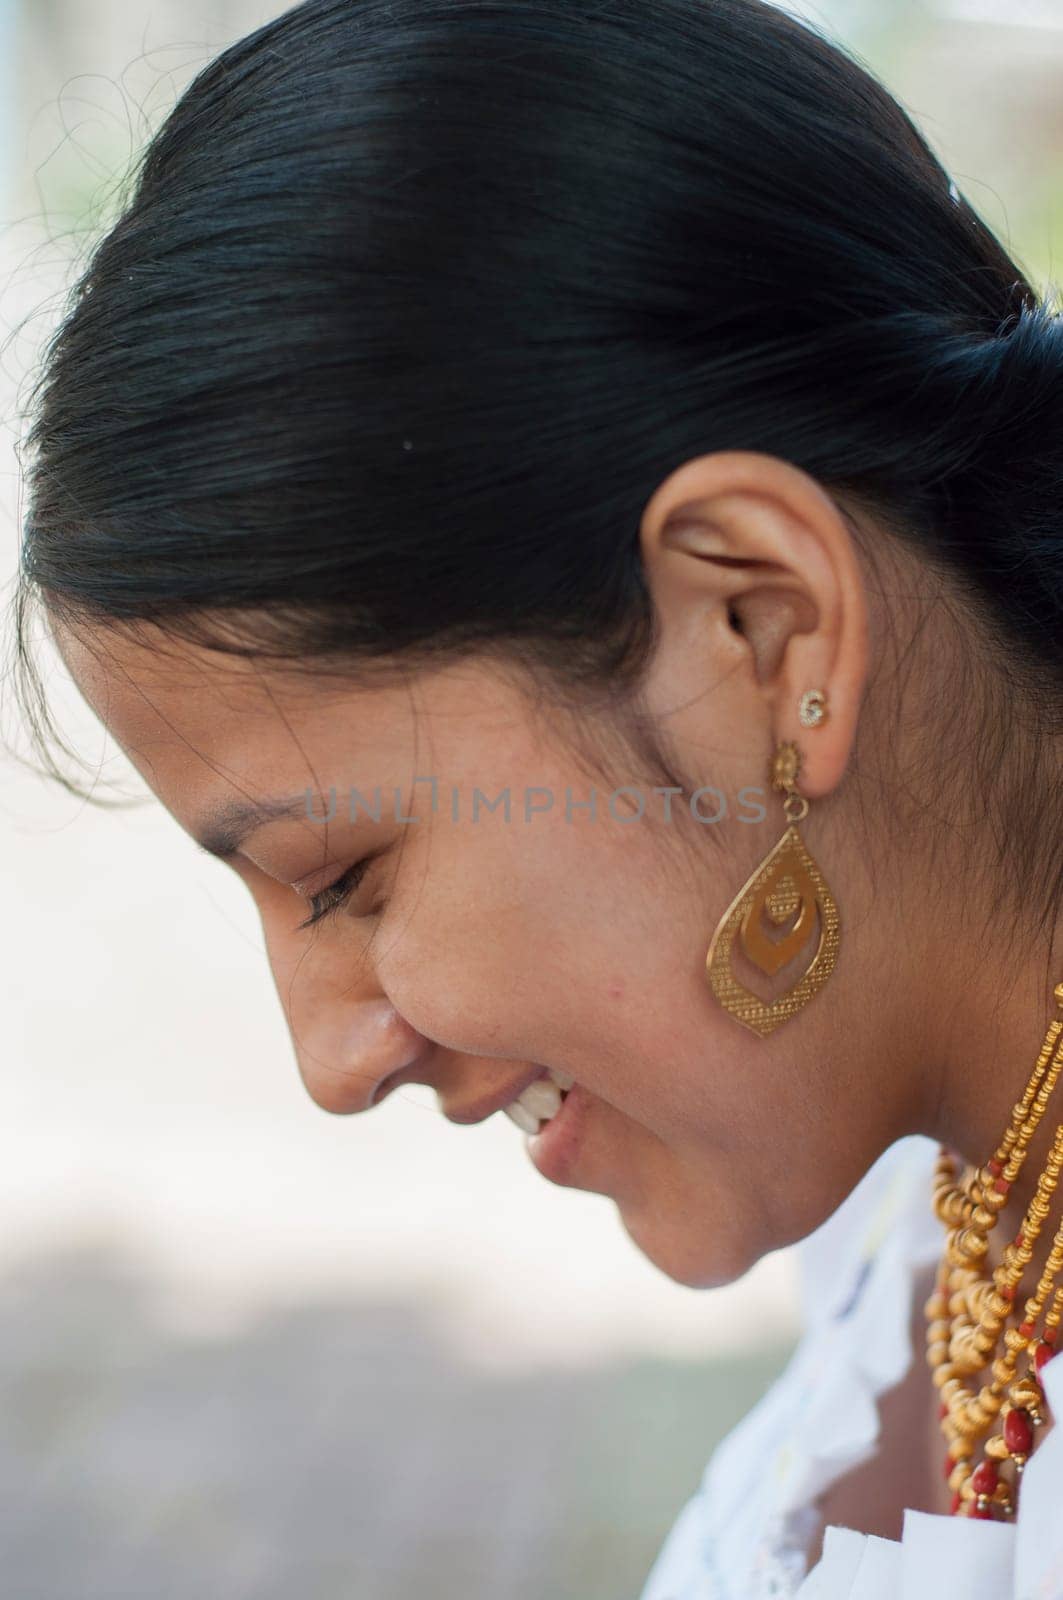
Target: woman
563, 500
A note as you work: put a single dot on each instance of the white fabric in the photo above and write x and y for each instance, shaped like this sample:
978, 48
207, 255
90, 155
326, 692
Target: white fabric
745, 1534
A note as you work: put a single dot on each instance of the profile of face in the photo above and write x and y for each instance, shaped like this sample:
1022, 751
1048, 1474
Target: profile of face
474, 951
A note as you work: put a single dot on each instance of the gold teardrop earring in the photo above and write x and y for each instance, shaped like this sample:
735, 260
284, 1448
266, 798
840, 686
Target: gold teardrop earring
787, 882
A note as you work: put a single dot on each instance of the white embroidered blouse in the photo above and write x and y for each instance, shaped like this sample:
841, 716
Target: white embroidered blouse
745, 1534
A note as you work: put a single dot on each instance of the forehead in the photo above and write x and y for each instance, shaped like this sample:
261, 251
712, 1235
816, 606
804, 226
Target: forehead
146, 686
196, 722
203, 727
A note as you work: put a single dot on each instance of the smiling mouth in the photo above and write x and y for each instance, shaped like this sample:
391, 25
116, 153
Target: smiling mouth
539, 1102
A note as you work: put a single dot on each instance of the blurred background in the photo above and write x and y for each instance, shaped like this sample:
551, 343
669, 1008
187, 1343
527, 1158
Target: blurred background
247, 1349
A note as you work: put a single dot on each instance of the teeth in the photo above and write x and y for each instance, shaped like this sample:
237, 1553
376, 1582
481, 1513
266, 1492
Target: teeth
539, 1102
541, 1098
524, 1119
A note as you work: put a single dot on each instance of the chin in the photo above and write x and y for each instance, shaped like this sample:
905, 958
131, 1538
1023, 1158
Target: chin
697, 1258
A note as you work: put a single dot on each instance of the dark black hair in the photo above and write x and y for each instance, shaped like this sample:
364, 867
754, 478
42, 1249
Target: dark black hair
415, 303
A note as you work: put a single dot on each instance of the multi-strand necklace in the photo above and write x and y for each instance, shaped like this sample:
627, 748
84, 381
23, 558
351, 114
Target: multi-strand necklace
986, 1365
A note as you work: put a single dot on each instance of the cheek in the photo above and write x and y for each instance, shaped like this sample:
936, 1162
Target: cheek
475, 978
505, 942
575, 948
454, 948
547, 982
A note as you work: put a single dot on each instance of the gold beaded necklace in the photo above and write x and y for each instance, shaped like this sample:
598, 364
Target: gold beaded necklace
969, 1308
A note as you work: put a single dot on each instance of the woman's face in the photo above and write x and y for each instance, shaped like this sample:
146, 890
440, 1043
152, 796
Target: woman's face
478, 950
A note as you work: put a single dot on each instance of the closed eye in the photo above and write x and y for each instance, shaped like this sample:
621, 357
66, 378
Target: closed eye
326, 901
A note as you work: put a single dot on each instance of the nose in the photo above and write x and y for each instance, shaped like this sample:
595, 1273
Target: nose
350, 1060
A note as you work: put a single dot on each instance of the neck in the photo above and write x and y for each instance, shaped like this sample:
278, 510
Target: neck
987, 1064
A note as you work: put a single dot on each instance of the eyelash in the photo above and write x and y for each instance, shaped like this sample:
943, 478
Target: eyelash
326, 901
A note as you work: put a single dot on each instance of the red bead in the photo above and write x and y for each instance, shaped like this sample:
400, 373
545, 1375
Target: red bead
1049, 1335
1001, 1185
1043, 1353
995, 1168
949, 1464
957, 1501
984, 1478
1008, 1292
983, 1513
1026, 1329
1020, 1240
943, 1411
1018, 1432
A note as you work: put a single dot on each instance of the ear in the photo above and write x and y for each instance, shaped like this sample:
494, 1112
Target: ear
760, 596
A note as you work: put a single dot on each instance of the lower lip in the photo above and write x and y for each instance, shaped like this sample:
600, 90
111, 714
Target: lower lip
554, 1151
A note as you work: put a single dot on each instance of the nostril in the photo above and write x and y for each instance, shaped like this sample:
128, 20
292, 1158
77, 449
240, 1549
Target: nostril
413, 1073
386, 1049
355, 1057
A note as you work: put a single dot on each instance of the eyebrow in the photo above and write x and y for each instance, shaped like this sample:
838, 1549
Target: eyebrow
227, 826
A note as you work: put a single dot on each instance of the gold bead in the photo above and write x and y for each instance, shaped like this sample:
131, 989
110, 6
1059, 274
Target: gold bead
978, 1299
964, 1357
968, 1317
1003, 1369
990, 1400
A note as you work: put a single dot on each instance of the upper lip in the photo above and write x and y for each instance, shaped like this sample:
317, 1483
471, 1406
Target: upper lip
487, 1105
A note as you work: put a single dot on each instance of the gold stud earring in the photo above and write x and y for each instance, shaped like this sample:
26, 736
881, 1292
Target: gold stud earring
787, 883
813, 708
